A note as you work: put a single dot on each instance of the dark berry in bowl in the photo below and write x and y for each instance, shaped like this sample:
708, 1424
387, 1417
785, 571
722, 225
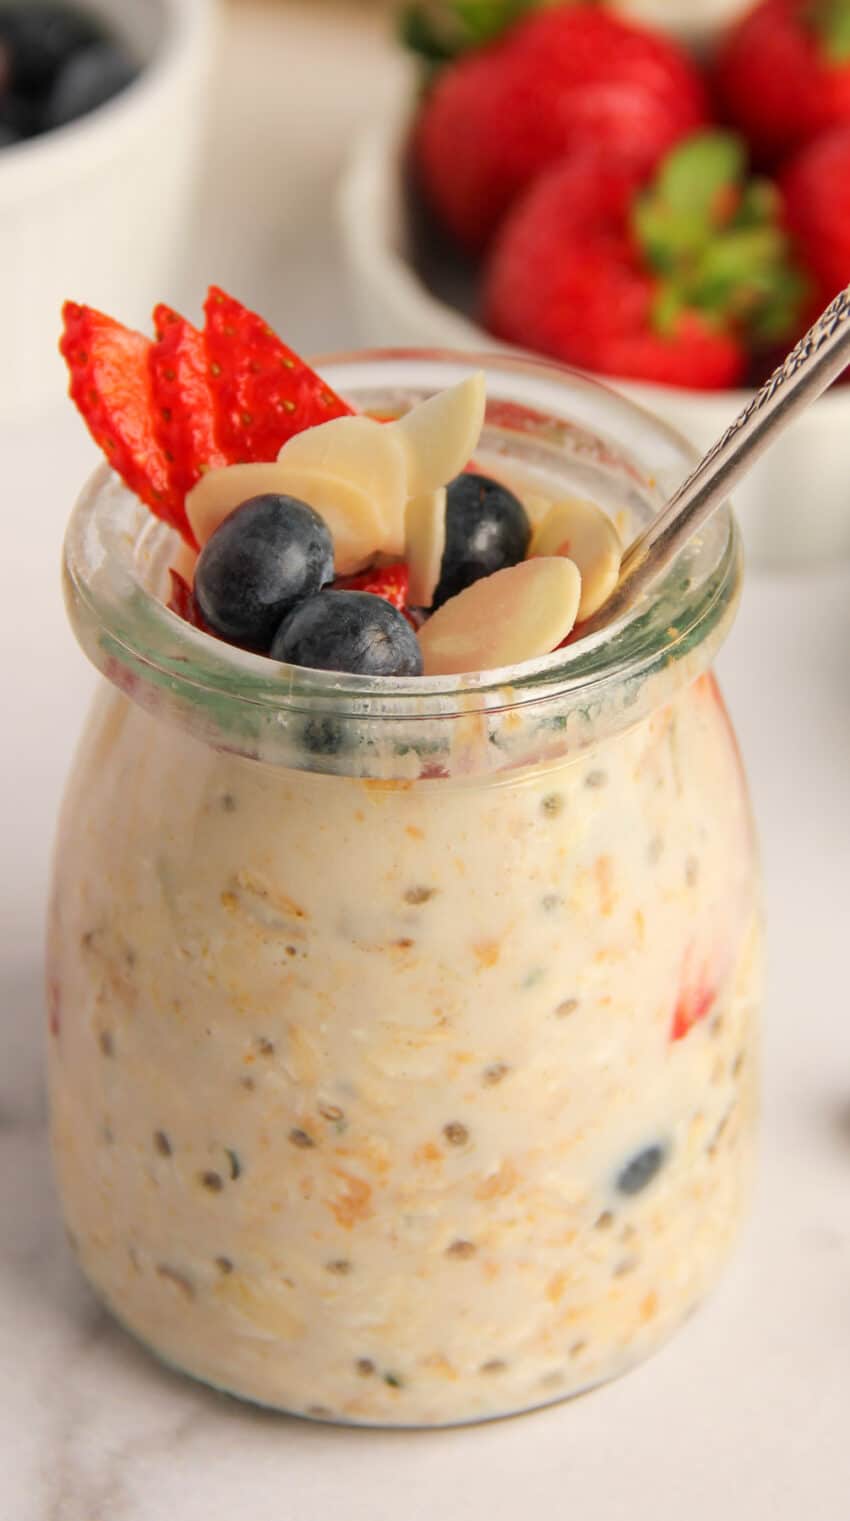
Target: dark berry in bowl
269, 554
40, 39
349, 631
89, 79
487, 529
640, 1171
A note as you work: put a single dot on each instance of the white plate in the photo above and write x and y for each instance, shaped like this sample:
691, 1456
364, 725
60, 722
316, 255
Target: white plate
794, 508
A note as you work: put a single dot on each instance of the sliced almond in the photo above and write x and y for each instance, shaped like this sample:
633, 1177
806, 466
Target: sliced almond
424, 543
367, 453
219, 492
351, 515
184, 561
583, 533
516, 614
440, 435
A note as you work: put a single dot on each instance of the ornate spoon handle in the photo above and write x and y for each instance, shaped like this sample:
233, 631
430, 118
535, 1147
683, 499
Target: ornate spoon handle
804, 374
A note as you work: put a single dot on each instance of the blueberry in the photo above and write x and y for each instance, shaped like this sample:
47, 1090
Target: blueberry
19, 118
640, 1171
487, 529
267, 555
349, 631
89, 79
41, 38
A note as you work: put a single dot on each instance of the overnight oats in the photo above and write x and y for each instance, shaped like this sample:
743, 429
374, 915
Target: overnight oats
403, 1015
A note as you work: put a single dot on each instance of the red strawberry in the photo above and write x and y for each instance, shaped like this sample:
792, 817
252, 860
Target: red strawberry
695, 1002
184, 410
783, 72
564, 79
111, 385
392, 582
668, 283
182, 601
263, 392
816, 186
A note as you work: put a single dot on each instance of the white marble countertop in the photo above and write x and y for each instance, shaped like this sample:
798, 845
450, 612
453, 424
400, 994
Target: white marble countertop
745, 1414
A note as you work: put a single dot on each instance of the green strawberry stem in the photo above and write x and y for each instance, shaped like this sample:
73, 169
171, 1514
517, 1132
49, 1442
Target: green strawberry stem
831, 22
439, 30
715, 242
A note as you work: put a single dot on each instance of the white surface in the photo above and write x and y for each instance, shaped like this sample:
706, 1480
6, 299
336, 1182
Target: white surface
744, 1416
98, 211
795, 504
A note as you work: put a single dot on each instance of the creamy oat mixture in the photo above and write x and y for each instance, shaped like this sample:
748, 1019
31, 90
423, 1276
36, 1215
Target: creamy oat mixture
404, 1103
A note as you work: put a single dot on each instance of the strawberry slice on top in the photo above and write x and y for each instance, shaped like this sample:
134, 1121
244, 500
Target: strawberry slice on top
392, 582
111, 386
184, 416
264, 393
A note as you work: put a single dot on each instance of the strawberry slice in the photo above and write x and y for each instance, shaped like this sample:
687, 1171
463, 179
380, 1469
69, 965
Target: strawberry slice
184, 408
182, 601
388, 581
263, 392
696, 1000
111, 386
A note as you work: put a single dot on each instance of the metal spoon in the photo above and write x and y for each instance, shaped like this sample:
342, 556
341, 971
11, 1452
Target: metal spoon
802, 376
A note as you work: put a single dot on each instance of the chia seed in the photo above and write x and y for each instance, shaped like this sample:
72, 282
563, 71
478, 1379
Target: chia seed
456, 1134
162, 1143
302, 1139
462, 1249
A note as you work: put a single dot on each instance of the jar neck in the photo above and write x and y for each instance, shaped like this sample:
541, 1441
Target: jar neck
559, 433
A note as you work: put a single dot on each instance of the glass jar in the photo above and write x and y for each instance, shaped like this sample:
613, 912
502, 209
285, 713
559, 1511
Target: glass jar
402, 1054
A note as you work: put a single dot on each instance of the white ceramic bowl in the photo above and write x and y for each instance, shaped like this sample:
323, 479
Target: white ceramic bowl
794, 508
97, 211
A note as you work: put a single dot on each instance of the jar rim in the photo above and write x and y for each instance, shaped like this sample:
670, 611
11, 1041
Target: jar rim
113, 548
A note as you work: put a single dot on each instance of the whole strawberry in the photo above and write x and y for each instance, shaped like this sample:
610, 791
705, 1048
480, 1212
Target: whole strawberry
675, 282
783, 73
816, 187
564, 79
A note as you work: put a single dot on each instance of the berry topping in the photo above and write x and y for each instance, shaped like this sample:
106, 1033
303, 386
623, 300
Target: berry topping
640, 1171
88, 80
42, 37
567, 81
392, 582
349, 631
696, 1001
349, 512
184, 412
582, 531
678, 282
487, 529
517, 614
182, 602
263, 392
440, 435
366, 453
111, 385
267, 555
783, 72
425, 543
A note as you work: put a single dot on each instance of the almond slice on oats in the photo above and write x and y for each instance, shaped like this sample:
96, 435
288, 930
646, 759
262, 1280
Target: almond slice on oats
350, 513
367, 453
583, 533
440, 435
516, 614
424, 543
